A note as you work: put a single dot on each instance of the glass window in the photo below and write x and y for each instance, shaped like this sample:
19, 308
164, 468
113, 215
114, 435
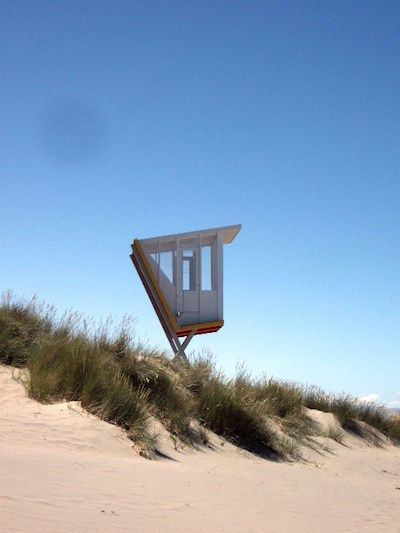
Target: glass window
167, 264
188, 270
206, 284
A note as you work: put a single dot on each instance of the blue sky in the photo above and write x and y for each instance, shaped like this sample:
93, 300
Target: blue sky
136, 119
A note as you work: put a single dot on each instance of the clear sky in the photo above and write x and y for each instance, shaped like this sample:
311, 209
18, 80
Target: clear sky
136, 119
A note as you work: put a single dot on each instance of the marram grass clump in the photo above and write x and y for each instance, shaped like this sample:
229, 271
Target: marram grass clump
126, 383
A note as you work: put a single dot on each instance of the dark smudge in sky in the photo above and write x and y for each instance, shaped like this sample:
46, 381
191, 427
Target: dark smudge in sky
73, 132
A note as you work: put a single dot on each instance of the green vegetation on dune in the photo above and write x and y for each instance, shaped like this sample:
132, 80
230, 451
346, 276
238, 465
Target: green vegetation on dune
125, 383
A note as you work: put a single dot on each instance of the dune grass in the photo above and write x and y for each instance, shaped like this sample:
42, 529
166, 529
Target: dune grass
335, 434
348, 411
224, 407
126, 383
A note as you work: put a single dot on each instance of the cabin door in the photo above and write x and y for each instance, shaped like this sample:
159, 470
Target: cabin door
189, 279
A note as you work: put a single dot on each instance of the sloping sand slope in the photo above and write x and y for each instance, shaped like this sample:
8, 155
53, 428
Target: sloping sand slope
63, 470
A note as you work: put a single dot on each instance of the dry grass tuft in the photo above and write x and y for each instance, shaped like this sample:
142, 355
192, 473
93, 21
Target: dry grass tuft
124, 382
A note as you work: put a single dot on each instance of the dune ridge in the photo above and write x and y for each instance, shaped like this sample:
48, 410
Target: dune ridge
132, 386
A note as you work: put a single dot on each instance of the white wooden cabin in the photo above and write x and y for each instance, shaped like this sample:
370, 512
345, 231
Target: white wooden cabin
183, 276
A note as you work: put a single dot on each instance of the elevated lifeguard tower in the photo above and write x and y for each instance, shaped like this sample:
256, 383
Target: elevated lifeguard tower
183, 277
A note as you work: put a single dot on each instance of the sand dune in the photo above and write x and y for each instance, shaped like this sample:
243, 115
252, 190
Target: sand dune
64, 470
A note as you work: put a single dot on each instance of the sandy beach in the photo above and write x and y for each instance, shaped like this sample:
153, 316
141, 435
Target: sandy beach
64, 470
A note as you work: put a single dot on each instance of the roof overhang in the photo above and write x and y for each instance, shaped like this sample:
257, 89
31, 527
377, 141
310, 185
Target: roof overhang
228, 234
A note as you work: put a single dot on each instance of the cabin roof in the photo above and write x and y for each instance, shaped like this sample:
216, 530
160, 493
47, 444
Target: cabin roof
228, 232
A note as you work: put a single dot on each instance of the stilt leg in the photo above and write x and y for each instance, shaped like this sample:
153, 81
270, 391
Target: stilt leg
180, 348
